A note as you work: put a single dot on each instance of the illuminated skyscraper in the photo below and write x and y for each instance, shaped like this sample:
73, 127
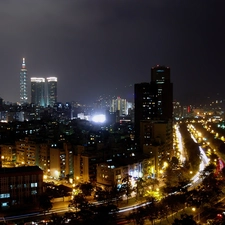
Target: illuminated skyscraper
23, 83
51, 91
121, 105
38, 91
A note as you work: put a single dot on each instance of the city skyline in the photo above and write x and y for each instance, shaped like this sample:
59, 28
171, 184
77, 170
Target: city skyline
99, 48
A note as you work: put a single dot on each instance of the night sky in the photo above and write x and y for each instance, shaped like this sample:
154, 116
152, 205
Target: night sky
103, 47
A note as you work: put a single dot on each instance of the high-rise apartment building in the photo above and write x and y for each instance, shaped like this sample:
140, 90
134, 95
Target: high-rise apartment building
153, 102
51, 91
27, 152
23, 83
120, 105
38, 91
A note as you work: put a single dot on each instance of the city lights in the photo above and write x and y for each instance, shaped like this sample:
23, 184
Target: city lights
99, 118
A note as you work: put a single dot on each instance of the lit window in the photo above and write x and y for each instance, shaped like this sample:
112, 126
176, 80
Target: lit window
33, 184
6, 195
33, 192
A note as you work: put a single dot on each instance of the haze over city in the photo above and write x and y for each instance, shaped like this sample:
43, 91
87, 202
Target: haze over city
100, 48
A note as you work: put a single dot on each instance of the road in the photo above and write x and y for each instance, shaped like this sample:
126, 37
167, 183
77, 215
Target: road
62, 207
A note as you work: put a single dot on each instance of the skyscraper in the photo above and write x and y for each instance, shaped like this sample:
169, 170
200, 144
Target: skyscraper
120, 105
38, 91
51, 91
153, 101
23, 83
160, 79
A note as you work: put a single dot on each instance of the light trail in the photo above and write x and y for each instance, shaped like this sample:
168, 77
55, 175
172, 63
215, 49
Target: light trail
205, 160
180, 145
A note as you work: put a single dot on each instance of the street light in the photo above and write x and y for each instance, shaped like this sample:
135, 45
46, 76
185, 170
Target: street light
56, 174
196, 214
165, 164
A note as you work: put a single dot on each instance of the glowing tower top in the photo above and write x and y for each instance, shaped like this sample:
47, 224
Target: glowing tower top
23, 83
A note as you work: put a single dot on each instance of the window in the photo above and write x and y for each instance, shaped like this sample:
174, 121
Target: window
33, 184
118, 172
33, 192
6, 195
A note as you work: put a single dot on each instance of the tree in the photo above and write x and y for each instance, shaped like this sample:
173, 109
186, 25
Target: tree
172, 179
152, 182
174, 162
139, 187
86, 188
79, 201
103, 195
45, 202
106, 214
151, 209
116, 193
56, 219
126, 187
209, 169
185, 219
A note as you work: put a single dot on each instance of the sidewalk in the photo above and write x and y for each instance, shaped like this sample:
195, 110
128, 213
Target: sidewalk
58, 205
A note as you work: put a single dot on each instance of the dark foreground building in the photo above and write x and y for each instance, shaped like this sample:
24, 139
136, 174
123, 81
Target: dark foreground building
20, 186
154, 100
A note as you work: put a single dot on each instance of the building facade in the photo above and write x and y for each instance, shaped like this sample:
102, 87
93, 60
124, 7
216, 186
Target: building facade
8, 155
109, 174
27, 152
20, 186
154, 116
154, 100
38, 91
160, 79
85, 167
51, 91
156, 137
120, 105
23, 83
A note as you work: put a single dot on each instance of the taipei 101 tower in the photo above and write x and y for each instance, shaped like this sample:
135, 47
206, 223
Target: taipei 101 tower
23, 83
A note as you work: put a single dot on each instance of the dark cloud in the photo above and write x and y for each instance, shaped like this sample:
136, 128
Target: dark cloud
100, 47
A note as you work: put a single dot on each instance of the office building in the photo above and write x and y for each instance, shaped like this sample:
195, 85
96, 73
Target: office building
38, 91
23, 83
154, 100
20, 186
51, 91
154, 109
160, 79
